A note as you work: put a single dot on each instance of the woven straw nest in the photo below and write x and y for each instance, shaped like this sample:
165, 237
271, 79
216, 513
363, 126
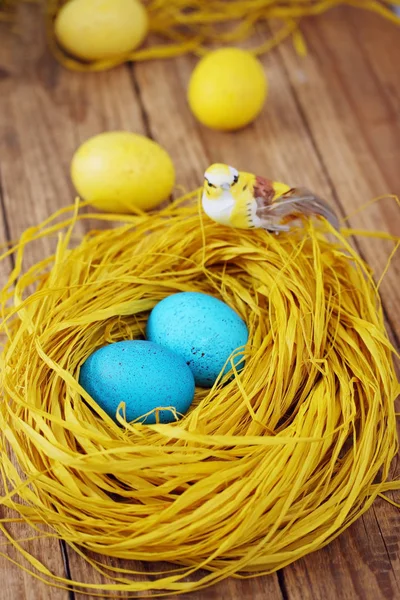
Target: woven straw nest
265, 468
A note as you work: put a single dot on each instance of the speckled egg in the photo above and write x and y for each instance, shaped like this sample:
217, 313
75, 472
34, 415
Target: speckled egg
202, 329
143, 375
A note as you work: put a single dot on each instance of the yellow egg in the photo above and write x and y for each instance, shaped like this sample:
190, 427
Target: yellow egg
100, 29
227, 89
118, 171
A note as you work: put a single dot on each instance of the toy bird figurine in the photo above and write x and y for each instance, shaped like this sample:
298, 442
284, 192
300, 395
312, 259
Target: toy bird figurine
246, 201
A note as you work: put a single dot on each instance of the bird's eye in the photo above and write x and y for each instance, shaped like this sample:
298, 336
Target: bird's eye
235, 179
210, 184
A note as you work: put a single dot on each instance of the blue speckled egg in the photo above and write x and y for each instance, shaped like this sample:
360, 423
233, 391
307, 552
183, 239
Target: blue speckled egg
141, 374
202, 329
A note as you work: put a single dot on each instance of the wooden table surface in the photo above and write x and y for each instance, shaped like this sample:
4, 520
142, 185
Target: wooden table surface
332, 123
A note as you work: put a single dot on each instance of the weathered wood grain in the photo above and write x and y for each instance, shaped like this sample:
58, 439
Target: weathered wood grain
355, 131
45, 114
343, 124
331, 123
15, 583
377, 42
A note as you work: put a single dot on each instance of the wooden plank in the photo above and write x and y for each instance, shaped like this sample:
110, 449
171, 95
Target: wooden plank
46, 113
368, 120
356, 135
229, 589
305, 135
346, 127
380, 56
268, 146
355, 565
15, 582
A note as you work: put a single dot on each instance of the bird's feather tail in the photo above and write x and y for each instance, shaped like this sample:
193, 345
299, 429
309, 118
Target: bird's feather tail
300, 201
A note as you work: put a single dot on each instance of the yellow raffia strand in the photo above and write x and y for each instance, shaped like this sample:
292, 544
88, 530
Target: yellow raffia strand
265, 467
196, 26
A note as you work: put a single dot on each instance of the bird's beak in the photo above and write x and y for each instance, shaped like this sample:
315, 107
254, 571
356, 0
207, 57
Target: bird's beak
225, 186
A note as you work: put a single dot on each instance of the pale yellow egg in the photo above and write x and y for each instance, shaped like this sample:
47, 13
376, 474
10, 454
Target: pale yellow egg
227, 89
101, 29
119, 171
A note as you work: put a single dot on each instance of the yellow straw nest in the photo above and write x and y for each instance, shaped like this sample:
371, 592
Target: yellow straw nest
180, 27
264, 468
